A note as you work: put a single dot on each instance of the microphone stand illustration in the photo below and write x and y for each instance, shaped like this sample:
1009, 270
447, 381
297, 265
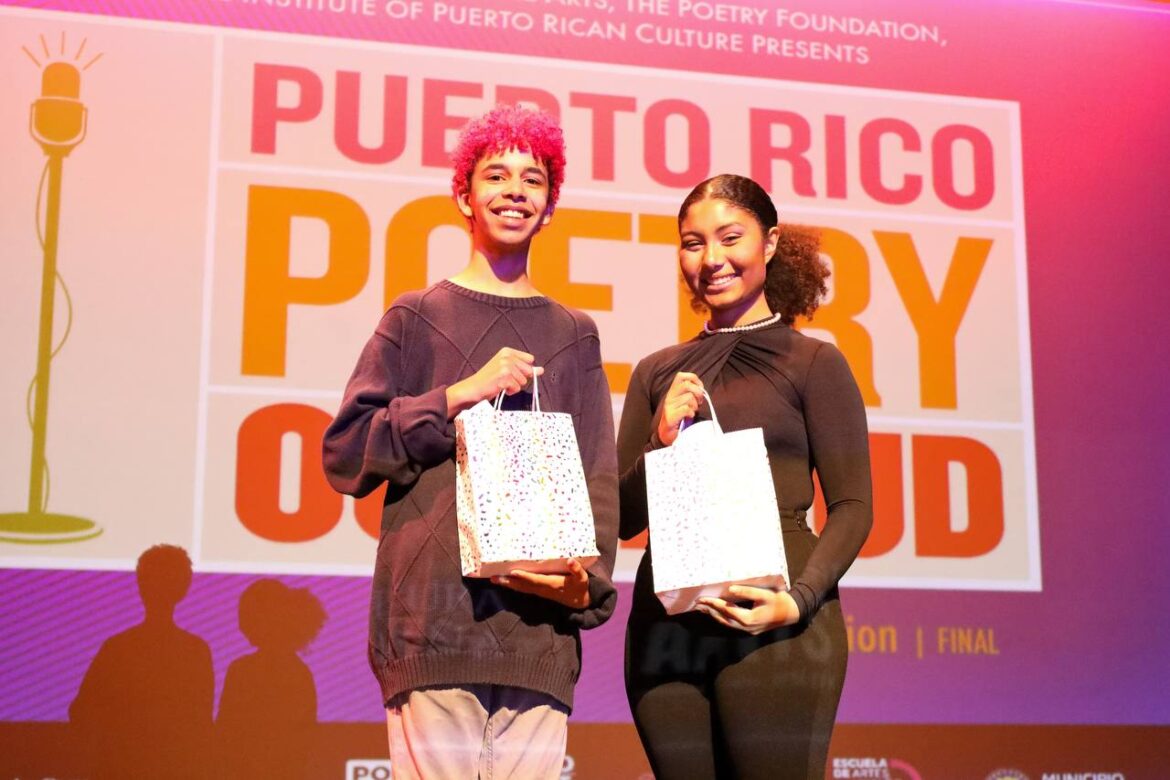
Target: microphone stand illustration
57, 121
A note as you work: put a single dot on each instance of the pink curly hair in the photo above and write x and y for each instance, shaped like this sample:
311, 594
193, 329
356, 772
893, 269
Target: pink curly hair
510, 127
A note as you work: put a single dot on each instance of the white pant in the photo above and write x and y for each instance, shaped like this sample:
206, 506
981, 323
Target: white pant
493, 732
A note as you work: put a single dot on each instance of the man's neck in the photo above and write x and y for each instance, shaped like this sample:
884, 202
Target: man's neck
498, 274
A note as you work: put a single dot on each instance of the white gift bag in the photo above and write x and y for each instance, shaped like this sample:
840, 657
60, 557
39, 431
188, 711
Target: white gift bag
713, 515
520, 492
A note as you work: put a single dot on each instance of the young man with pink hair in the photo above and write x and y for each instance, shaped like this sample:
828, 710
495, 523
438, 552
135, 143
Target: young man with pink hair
477, 675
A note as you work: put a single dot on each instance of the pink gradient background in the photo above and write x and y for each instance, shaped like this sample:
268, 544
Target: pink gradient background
1093, 83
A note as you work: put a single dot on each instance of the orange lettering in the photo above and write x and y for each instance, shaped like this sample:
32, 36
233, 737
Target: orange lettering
936, 321
406, 242
661, 229
549, 268
933, 532
258, 475
270, 288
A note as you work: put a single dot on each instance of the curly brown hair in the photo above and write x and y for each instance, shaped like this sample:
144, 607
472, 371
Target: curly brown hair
795, 282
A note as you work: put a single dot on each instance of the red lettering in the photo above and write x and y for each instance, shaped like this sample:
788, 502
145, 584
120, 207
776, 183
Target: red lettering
698, 144
266, 111
871, 161
437, 122
836, 169
346, 120
604, 109
943, 164
765, 151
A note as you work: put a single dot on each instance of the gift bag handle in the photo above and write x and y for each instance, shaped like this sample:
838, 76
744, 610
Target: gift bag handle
684, 422
536, 397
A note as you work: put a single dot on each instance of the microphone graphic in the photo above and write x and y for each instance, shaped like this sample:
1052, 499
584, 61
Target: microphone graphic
57, 120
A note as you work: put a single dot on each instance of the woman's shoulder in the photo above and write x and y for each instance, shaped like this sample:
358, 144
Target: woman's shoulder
659, 367
666, 356
801, 348
817, 363
806, 344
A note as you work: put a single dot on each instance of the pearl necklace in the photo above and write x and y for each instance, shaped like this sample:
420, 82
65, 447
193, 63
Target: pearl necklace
741, 328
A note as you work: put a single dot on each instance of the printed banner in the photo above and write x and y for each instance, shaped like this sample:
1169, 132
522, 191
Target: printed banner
324, 196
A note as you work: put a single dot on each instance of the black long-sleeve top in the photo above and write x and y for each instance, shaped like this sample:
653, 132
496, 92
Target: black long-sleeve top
801, 392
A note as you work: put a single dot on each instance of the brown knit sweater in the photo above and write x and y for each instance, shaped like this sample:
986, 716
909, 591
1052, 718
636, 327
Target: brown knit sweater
428, 624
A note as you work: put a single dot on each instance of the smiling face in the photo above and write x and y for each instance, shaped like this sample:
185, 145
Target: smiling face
724, 253
507, 202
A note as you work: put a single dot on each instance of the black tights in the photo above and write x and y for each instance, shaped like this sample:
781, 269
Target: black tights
713, 703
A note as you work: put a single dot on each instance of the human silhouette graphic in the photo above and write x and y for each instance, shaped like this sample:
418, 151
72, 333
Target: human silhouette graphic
144, 709
268, 709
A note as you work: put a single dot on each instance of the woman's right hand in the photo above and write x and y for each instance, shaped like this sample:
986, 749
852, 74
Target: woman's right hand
681, 402
509, 371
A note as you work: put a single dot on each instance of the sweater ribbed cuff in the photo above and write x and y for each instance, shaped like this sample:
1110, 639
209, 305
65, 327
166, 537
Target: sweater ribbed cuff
546, 674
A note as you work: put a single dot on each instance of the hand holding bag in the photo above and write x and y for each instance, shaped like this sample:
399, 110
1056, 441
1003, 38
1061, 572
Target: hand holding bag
521, 497
713, 516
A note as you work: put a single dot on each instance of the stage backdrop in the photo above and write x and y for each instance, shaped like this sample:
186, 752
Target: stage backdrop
228, 193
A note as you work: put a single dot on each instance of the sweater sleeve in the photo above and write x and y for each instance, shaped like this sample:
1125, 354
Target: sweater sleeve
839, 451
634, 439
380, 434
595, 437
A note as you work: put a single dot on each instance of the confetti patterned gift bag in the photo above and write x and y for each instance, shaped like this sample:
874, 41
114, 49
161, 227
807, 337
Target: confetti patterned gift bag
520, 492
713, 515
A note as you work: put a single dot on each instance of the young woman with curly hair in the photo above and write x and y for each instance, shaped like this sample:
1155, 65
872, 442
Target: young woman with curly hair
748, 686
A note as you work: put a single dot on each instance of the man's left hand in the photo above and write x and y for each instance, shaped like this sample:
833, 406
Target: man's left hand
570, 589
